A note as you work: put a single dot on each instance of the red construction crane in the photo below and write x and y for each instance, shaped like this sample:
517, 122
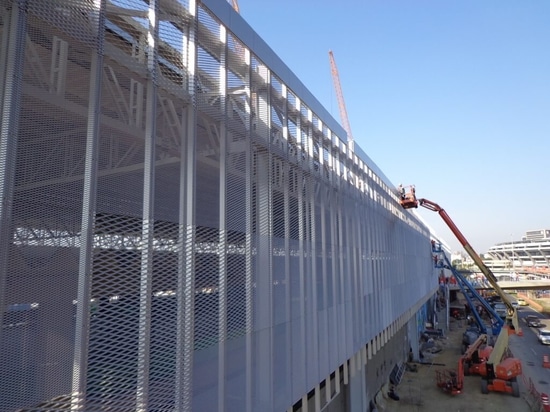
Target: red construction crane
237, 46
340, 96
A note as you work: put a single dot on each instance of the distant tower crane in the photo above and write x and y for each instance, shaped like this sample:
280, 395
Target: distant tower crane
340, 96
238, 46
235, 5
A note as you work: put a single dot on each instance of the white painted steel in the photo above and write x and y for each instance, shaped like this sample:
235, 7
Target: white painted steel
183, 226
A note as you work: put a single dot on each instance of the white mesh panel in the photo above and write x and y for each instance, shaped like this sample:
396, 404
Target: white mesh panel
180, 228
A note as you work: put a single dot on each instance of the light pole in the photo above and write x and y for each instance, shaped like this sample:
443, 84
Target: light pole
512, 260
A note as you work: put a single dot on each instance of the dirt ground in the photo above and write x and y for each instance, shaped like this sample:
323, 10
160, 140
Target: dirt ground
418, 391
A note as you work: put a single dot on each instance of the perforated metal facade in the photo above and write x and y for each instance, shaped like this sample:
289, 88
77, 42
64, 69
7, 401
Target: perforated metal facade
182, 226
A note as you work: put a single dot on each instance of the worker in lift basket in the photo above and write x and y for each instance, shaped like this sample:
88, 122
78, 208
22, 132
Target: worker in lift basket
401, 191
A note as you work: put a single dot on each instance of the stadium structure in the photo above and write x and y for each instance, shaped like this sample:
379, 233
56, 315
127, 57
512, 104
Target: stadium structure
183, 227
532, 252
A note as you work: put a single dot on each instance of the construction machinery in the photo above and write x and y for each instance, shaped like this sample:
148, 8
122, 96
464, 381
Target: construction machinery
475, 361
409, 200
407, 195
499, 372
340, 97
452, 381
235, 5
476, 355
477, 341
471, 294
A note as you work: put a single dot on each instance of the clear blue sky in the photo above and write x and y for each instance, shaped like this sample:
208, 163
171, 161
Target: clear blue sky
452, 96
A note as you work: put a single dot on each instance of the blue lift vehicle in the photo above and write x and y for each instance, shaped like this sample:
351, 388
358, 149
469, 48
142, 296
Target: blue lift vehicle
471, 293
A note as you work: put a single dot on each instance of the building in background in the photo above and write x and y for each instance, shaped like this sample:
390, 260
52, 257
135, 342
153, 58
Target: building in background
532, 251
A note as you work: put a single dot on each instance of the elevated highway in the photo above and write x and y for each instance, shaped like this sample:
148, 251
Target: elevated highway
542, 284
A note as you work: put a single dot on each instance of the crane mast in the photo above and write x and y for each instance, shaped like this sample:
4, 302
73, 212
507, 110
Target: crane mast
340, 97
235, 5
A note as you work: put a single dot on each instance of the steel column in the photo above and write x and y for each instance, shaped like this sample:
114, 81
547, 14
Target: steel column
263, 296
4, 47
222, 240
285, 186
249, 308
148, 225
302, 220
89, 198
186, 241
312, 249
263, 301
13, 58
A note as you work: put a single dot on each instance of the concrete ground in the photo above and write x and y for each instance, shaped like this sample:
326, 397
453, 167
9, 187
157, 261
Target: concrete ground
418, 391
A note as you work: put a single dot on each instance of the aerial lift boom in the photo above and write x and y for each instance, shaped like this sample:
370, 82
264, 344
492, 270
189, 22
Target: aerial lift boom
463, 284
481, 325
500, 373
411, 201
477, 365
453, 381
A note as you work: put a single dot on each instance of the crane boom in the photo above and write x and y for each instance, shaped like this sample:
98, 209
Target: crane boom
235, 5
428, 204
466, 288
340, 97
500, 372
409, 200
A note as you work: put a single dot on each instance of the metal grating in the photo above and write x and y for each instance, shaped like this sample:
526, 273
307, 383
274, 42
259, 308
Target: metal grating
179, 229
